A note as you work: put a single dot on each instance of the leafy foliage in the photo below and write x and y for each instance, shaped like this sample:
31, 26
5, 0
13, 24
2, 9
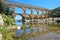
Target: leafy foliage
8, 20
55, 12
1, 7
4, 9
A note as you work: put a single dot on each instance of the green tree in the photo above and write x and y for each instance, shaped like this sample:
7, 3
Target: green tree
55, 12
1, 6
4, 9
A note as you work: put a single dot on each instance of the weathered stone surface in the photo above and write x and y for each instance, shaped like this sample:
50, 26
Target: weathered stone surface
0, 36
1, 21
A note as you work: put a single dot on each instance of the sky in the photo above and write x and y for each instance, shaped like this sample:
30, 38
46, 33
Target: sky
49, 4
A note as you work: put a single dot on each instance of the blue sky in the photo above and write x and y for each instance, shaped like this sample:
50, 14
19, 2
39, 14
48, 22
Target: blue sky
50, 4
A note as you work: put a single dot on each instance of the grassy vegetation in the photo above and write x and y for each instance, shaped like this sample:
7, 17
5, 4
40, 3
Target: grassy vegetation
7, 34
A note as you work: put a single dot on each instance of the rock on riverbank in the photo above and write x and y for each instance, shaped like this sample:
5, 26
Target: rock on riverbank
1, 21
0, 36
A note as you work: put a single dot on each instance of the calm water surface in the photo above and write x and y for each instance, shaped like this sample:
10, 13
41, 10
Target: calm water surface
33, 29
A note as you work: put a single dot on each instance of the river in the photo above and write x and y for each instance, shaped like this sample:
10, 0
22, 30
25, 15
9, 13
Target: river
30, 30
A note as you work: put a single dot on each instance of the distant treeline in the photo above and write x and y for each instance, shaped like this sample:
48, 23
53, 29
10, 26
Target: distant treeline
55, 12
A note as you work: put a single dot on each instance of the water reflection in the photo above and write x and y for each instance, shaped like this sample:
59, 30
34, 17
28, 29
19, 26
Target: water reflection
19, 23
40, 28
31, 29
35, 29
28, 30
19, 32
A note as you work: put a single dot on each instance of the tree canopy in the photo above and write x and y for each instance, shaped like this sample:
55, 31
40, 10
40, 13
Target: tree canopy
1, 7
55, 12
4, 9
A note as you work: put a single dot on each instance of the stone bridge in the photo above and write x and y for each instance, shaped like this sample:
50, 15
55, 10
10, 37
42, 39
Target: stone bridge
15, 5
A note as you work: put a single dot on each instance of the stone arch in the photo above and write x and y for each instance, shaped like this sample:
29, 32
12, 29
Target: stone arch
34, 11
40, 12
19, 10
27, 17
28, 11
18, 17
44, 12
